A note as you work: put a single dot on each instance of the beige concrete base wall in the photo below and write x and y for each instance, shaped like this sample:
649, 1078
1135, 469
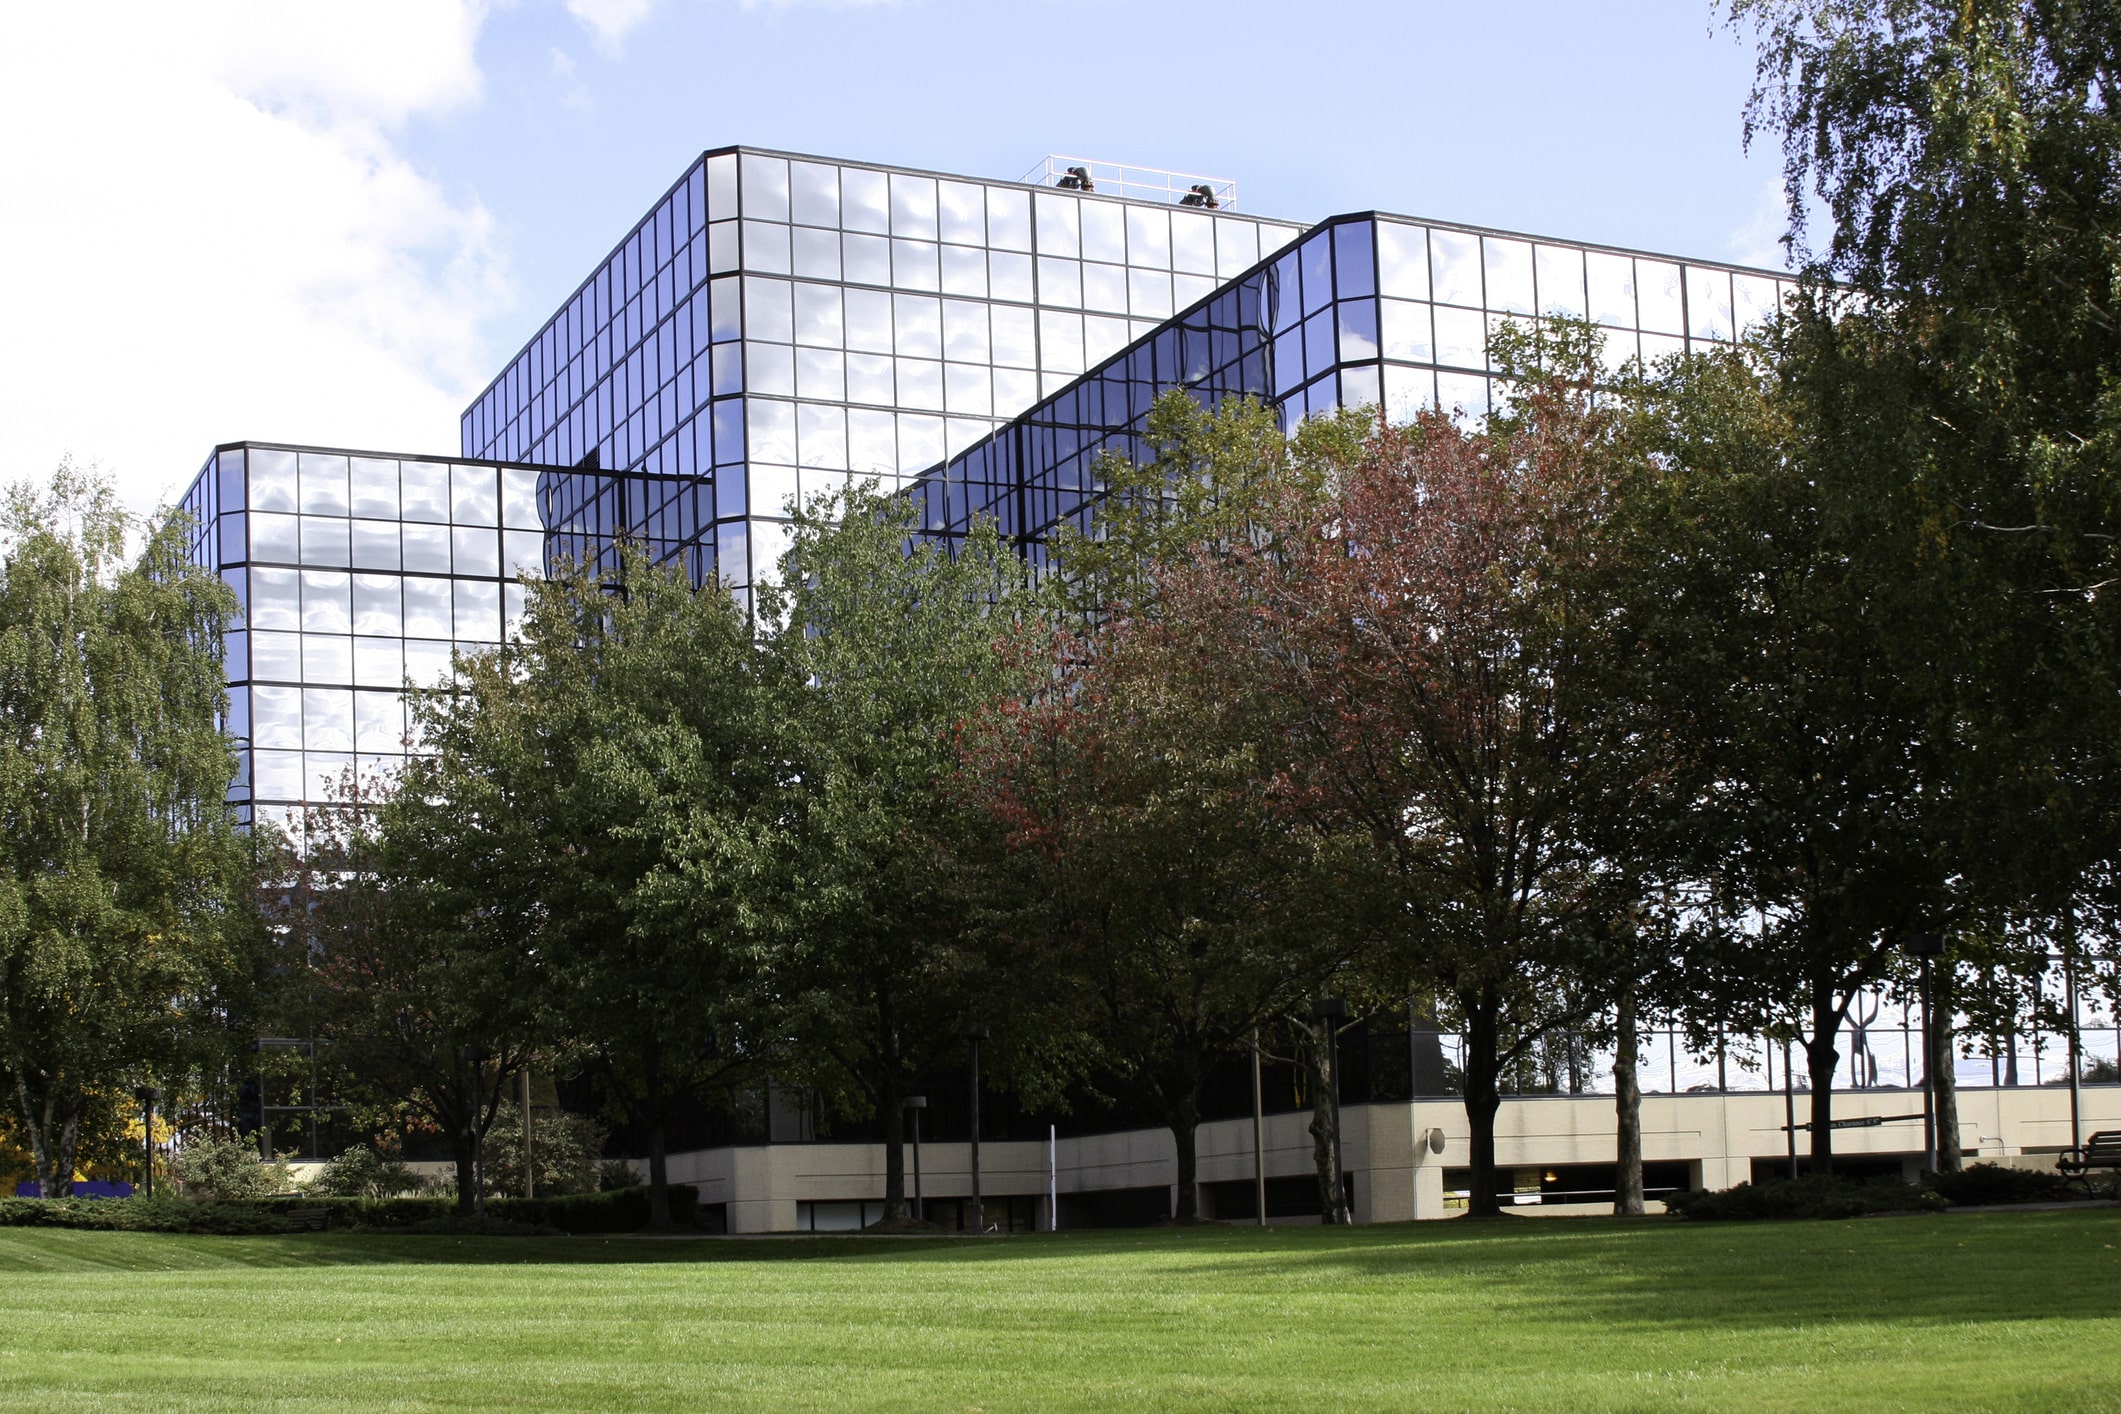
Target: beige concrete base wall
1399, 1176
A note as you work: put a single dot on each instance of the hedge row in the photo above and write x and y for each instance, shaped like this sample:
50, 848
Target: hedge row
143, 1215
1827, 1196
625, 1210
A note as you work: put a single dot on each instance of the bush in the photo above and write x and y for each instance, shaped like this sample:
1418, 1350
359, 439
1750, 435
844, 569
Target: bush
1814, 1196
210, 1168
361, 1172
622, 1210
616, 1174
1993, 1183
475, 1226
564, 1148
143, 1215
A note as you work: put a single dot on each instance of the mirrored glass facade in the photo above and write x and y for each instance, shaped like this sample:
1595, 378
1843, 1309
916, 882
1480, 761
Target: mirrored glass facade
778, 322
358, 573
1369, 310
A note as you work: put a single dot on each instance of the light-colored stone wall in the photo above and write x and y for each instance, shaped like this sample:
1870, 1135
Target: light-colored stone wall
1398, 1176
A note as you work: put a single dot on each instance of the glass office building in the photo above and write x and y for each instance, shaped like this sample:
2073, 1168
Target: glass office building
1364, 310
778, 323
358, 573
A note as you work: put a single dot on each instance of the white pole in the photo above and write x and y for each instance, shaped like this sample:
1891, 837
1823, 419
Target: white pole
1053, 1178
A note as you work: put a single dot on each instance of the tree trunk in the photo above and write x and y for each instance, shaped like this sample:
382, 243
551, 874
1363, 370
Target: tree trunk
1325, 1125
1185, 1126
1627, 1106
1483, 1101
1944, 1082
461, 1146
890, 1098
659, 1219
1824, 1061
657, 1112
54, 1132
891, 1107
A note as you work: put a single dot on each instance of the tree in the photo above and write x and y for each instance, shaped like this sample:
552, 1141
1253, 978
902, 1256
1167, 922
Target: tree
877, 944
1965, 154
1434, 637
597, 797
403, 958
1787, 595
123, 925
1175, 906
1180, 908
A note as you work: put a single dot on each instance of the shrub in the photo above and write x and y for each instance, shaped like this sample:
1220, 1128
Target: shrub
143, 1215
616, 1174
564, 1148
212, 1168
474, 1226
1993, 1183
361, 1172
622, 1210
1813, 1196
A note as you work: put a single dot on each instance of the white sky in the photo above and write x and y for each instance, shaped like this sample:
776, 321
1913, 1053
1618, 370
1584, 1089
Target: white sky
332, 222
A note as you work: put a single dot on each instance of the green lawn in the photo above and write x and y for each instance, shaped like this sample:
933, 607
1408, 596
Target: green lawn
1978, 1311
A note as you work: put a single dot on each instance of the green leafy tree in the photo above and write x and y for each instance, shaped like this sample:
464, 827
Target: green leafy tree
123, 924
1964, 153
405, 948
1788, 594
882, 954
577, 848
654, 775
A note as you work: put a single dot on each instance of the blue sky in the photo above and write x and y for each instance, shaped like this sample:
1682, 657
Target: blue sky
332, 222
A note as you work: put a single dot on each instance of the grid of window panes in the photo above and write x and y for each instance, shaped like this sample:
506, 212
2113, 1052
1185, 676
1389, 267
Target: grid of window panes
1880, 1045
1362, 311
357, 573
778, 323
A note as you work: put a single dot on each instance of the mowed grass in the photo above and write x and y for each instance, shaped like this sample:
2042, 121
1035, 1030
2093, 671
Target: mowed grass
1995, 1311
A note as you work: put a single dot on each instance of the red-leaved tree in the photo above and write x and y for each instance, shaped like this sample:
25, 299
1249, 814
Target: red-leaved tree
1435, 637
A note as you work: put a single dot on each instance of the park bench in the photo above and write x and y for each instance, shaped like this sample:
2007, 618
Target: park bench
2101, 1151
310, 1219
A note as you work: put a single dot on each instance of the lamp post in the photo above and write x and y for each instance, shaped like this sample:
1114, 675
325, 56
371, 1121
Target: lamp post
1927, 946
976, 1034
474, 1056
1259, 1135
1789, 1095
147, 1095
914, 1105
2069, 994
1329, 1013
530, 1174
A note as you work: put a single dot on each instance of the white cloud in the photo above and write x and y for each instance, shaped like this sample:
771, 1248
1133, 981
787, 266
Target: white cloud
212, 232
610, 21
573, 92
1759, 241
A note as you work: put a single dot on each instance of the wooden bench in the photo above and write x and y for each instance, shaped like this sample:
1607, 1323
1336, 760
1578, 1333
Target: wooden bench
310, 1219
2101, 1151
